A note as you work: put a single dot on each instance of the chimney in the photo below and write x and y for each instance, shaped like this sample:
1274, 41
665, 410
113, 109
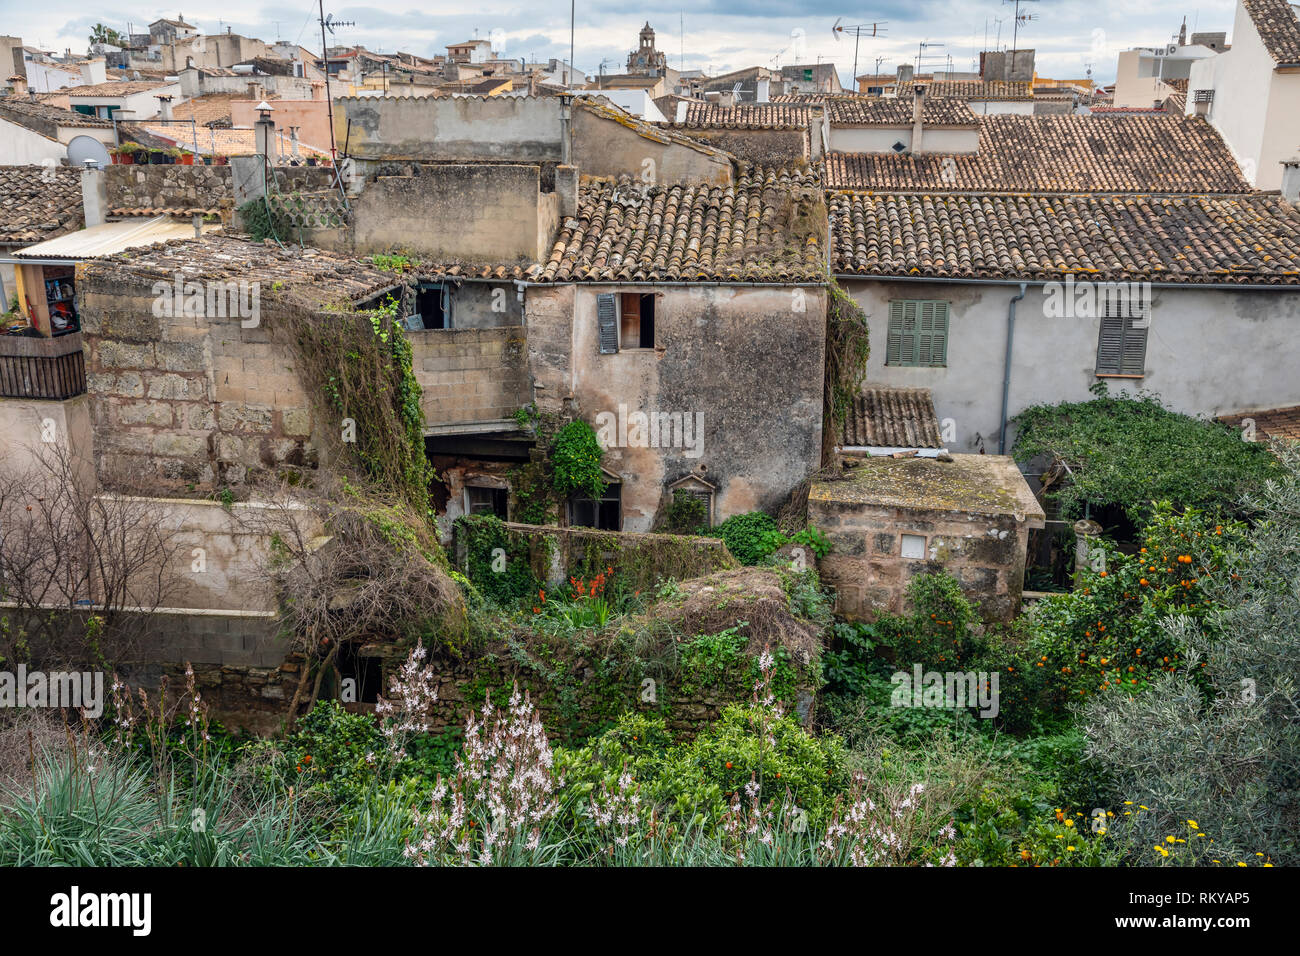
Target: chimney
1291, 181
1202, 100
94, 196
265, 131
19, 84
164, 107
918, 109
682, 106
906, 73
1182, 33
763, 93
93, 72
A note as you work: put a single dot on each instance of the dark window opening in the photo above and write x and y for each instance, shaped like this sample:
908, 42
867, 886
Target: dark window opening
604, 514
431, 307
487, 501
362, 677
637, 330
60, 294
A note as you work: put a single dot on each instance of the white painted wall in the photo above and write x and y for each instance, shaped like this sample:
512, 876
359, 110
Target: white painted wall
1001, 107
20, 146
881, 139
1256, 110
1208, 352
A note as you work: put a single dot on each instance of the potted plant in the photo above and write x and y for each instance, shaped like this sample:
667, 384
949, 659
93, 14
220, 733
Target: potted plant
223, 161
124, 155
155, 157
312, 159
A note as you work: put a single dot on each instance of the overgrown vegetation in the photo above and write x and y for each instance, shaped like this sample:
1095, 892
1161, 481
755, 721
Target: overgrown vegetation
1129, 451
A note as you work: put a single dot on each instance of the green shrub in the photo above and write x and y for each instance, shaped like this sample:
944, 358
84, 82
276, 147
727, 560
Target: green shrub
750, 537
686, 514
576, 456
497, 566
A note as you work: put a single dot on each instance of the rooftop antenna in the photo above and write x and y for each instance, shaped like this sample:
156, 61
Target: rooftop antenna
858, 31
1018, 19
921, 55
329, 23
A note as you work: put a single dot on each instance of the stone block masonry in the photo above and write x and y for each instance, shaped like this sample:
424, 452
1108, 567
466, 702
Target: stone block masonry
471, 375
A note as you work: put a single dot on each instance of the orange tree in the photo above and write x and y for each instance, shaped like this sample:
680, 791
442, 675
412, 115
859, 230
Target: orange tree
1104, 637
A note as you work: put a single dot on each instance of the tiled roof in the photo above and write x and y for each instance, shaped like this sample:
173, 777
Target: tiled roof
897, 111
1278, 27
745, 232
22, 110
747, 116
659, 133
211, 109
974, 89
1164, 153
882, 417
305, 275
38, 203
116, 88
1273, 422
1191, 239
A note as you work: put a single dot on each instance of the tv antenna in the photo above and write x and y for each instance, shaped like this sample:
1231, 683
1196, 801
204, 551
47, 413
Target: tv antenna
1016, 20
858, 31
327, 22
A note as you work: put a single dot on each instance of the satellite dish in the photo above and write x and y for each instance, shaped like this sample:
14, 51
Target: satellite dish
87, 148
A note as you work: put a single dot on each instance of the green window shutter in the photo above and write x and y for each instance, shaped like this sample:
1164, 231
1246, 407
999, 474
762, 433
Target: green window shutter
607, 318
894, 340
918, 333
1110, 346
1134, 357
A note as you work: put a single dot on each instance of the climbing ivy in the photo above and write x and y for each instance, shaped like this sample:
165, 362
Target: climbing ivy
575, 456
1130, 451
848, 346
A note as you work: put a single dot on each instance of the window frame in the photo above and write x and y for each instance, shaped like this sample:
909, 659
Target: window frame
1115, 315
896, 332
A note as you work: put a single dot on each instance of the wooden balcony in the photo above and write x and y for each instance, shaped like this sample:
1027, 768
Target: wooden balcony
40, 368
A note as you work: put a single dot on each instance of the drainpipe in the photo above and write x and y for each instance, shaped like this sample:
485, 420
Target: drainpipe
1006, 367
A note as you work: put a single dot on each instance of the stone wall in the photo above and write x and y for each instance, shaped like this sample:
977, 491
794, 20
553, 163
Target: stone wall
186, 400
189, 187
745, 363
471, 375
479, 214
763, 147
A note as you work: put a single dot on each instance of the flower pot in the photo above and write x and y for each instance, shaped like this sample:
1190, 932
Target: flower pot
124, 159
155, 159
311, 160
187, 159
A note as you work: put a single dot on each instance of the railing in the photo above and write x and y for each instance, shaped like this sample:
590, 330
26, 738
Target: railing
42, 368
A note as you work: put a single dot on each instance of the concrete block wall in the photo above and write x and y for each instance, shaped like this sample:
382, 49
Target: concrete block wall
471, 375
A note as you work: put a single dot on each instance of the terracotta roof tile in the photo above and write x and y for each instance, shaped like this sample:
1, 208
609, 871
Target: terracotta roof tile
1163, 153
897, 111
1278, 27
116, 88
34, 113
1273, 422
974, 89
1177, 239
38, 203
882, 417
630, 232
747, 116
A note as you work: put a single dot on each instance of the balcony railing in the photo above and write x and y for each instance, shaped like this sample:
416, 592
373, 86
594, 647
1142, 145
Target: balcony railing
42, 368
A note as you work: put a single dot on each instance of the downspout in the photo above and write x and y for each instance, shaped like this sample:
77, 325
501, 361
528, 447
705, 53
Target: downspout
1006, 367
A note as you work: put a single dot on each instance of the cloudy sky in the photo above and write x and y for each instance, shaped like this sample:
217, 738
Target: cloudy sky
719, 35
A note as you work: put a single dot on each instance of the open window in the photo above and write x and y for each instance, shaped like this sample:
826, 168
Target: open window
637, 320
626, 320
432, 307
493, 501
604, 513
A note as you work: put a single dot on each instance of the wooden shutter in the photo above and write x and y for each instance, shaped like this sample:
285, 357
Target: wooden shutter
1110, 346
931, 333
1135, 349
607, 317
901, 345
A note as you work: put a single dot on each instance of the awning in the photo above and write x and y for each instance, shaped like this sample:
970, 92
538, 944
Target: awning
106, 240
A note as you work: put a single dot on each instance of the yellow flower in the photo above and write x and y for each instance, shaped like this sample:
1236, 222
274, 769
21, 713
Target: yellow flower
1069, 848
1128, 803
1069, 823
1192, 824
1239, 863
1144, 807
1259, 854
1170, 839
